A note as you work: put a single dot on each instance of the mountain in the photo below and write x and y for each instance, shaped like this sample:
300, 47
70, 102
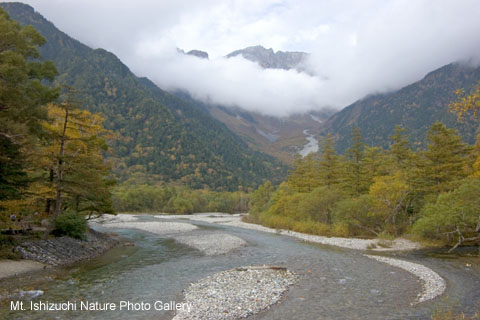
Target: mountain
415, 107
162, 136
280, 137
198, 53
267, 58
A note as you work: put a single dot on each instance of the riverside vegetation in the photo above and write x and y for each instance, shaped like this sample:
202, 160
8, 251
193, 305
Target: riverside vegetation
52, 166
430, 194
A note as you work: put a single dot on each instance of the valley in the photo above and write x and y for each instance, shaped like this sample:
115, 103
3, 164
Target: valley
213, 160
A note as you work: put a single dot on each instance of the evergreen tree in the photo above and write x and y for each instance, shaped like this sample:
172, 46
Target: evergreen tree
22, 97
355, 172
329, 163
375, 163
400, 149
306, 175
445, 162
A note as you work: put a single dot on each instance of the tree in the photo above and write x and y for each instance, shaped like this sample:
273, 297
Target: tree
329, 163
454, 217
466, 104
356, 213
389, 195
261, 198
355, 170
318, 205
400, 149
306, 175
469, 104
22, 99
375, 164
446, 160
80, 176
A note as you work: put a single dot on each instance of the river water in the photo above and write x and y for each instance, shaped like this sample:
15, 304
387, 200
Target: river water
311, 146
333, 283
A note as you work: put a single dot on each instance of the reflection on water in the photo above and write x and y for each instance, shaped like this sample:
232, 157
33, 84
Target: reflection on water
334, 282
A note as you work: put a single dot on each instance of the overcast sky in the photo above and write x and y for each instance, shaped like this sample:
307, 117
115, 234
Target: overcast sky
358, 47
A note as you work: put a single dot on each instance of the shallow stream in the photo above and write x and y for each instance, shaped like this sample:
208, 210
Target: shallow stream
334, 283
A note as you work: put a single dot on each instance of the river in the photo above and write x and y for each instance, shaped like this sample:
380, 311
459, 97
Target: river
311, 146
334, 283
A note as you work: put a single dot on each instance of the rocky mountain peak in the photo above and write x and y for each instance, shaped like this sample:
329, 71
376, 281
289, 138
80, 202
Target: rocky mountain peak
198, 53
268, 58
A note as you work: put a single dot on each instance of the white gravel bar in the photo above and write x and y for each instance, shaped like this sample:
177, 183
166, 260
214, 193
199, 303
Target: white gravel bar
153, 226
235, 293
212, 244
433, 284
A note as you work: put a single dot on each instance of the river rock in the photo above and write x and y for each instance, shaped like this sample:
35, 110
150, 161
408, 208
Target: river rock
236, 293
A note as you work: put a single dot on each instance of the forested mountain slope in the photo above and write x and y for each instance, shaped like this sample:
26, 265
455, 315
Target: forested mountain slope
415, 107
163, 136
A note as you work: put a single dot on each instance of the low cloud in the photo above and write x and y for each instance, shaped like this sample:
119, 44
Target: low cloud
235, 82
357, 47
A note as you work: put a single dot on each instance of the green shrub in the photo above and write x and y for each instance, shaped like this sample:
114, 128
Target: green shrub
180, 205
453, 217
71, 224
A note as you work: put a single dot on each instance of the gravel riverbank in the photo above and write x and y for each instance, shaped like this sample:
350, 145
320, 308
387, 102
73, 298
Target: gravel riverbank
128, 221
10, 268
212, 244
433, 284
235, 293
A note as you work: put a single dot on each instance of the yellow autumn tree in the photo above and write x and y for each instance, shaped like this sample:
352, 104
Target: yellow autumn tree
389, 195
77, 173
466, 103
469, 104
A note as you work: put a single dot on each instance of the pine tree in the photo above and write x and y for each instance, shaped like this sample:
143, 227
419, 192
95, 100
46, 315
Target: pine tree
400, 149
446, 160
329, 163
355, 173
306, 175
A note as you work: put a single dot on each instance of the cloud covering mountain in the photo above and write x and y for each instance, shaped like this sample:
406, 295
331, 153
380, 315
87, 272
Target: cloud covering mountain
357, 47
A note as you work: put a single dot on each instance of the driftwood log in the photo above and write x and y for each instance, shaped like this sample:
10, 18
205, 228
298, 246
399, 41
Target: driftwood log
261, 268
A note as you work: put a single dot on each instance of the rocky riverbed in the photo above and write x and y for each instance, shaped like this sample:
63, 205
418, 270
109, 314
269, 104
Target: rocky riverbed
433, 285
331, 281
236, 293
212, 244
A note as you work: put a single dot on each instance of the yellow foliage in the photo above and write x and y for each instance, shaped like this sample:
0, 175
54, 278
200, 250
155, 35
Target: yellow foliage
466, 103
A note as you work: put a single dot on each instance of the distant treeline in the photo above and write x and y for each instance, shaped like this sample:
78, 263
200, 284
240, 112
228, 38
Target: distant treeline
175, 199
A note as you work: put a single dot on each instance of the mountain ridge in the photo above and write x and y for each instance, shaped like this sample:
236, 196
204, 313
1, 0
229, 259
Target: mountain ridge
269, 59
164, 137
415, 107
